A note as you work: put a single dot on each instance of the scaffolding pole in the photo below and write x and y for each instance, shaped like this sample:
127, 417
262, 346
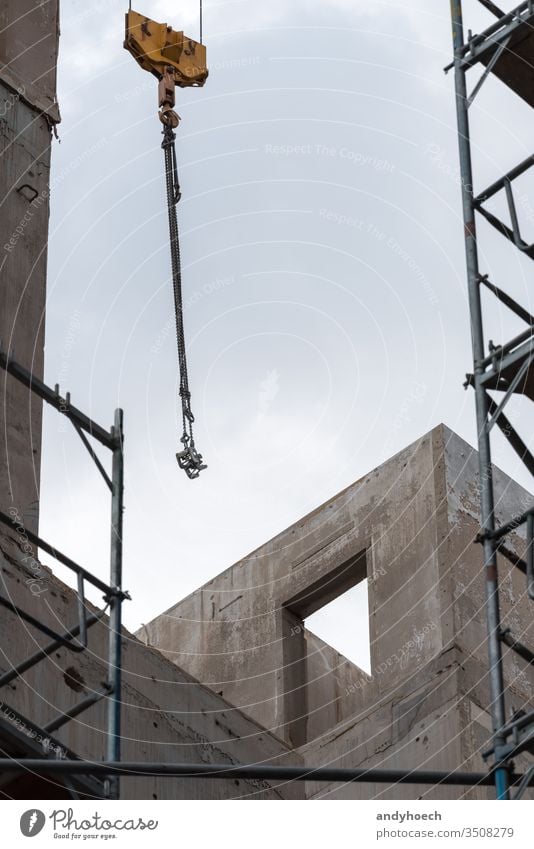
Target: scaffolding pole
507, 368
265, 772
484, 448
115, 647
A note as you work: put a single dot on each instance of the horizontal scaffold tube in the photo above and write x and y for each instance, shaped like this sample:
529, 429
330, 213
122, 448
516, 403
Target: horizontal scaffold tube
252, 771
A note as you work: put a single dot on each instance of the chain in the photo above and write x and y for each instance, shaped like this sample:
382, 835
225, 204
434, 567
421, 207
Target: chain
188, 459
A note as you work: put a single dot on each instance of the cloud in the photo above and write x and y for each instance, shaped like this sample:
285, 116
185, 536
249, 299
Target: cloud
92, 35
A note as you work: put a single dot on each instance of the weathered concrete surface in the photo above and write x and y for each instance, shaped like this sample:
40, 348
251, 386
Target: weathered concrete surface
418, 725
167, 715
29, 37
461, 570
437, 719
271, 690
28, 53
410, 525
231, 635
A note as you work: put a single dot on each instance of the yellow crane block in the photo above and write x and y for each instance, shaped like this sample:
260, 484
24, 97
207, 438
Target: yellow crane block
159, 49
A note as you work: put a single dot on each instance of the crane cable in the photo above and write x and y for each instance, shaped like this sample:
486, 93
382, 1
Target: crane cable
188, 459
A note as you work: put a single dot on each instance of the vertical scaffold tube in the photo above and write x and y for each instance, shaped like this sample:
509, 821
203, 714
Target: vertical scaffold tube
487, 519
115, 640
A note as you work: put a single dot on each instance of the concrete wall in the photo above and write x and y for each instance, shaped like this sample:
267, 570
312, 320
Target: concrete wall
410, 525
418, 725
29, 37
233, 633
271, 690
461, 566
167, 715
28, 53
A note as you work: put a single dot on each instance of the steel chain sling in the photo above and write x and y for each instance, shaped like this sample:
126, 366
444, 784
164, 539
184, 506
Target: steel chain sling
188, 459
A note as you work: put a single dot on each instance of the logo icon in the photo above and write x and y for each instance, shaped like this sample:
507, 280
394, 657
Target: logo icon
32, 822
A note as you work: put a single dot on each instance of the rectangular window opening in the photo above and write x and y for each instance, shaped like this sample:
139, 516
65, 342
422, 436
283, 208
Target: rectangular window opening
334, 608
344, 624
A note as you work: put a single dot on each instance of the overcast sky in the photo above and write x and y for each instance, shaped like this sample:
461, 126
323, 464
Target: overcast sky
323, 267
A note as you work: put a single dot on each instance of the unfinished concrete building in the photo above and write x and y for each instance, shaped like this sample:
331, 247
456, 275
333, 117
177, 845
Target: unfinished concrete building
231, 675
409, 528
